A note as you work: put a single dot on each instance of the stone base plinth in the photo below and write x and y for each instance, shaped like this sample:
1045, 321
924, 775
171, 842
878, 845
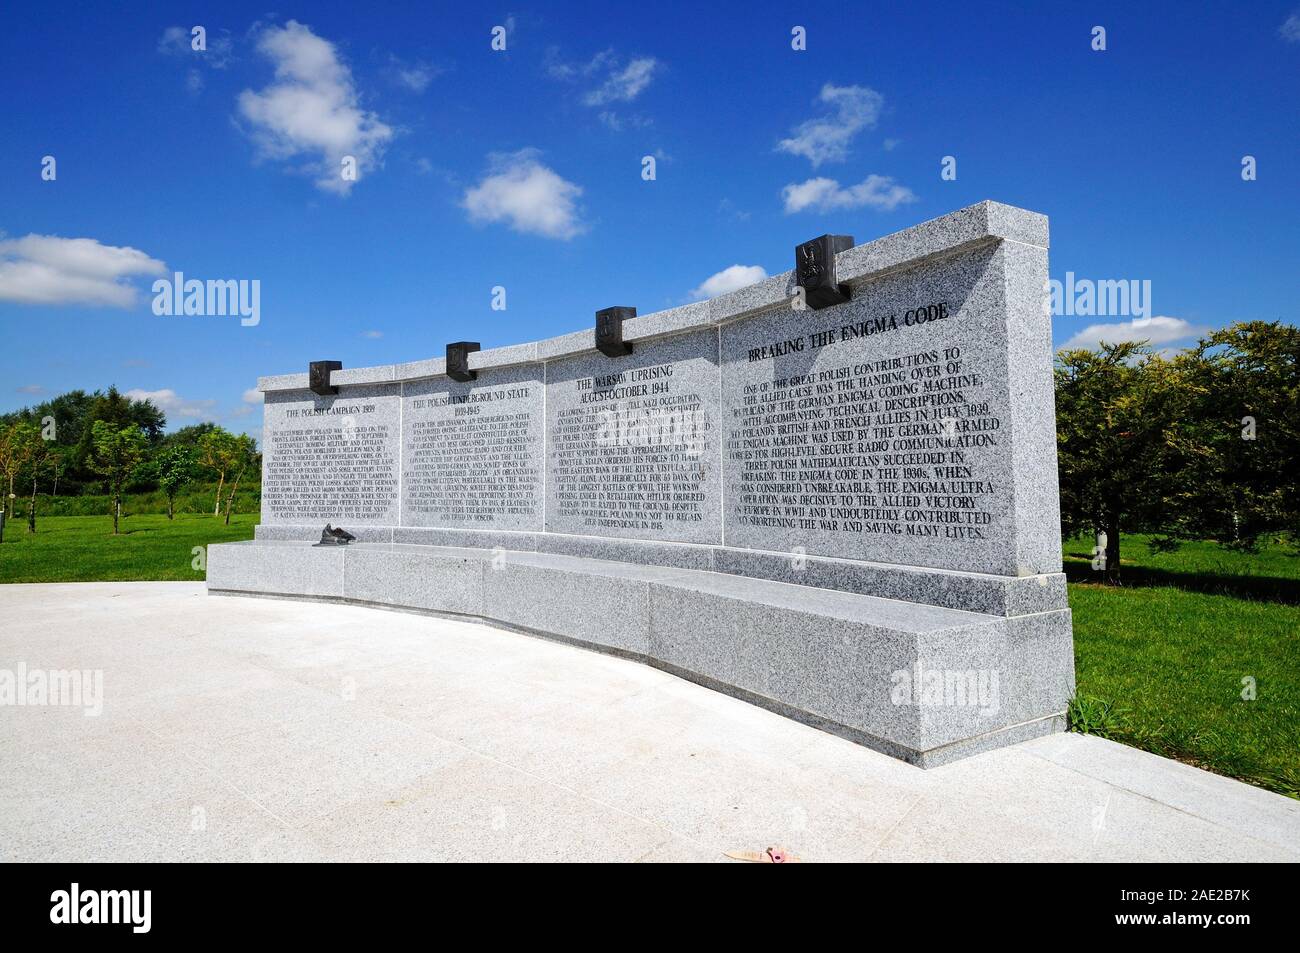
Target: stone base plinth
924, 683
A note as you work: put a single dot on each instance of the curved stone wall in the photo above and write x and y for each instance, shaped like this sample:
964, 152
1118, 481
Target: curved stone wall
911, 425
845, 511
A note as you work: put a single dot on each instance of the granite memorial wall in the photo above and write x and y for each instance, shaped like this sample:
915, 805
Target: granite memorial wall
909, 424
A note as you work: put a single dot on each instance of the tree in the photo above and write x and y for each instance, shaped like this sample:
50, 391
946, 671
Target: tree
116, 453
10, 459
60, 459
190, 435
1122, 439
119, 411
19, 440
69, 410
39, 455
219, 451
245, 451
175, 465
1245, 381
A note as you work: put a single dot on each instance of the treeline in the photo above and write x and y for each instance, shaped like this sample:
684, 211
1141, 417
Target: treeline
80, 444
1203, 443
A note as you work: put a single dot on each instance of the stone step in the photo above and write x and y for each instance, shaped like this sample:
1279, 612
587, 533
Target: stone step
924, 683
972, 591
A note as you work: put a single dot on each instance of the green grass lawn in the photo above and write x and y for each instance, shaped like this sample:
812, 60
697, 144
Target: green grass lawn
1169, 650
84, 549
1160, 661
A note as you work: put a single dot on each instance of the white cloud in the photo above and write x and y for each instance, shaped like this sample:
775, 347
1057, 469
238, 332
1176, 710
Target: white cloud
620, 84
875, 191
252, 399
175, 41
527, 195
1160, 329
557, 69
624, 85
413, 76
373, 335
175, 406
1290, 28
31, 389
827, 138
312, 109
47, 269
728, 280
619, 123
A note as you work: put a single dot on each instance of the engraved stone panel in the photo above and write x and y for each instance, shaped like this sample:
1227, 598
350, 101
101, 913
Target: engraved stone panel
472, 452
633, 449
878, 429
331, 458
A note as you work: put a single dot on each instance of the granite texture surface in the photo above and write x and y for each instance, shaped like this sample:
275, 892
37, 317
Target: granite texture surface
282, 568
686, 317
297, 381
998, 738
971, 592
311, 532
479, 539
890, 441
957, 231
417, 578
473, 452
1034, 488
352, 376
602, 608
428, 367
332, 459
632, 446
831, 667
503, 356
645, 552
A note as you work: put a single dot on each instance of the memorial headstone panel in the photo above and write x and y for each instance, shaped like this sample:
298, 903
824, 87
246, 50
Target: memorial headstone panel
879, 429
633, 446
472, 453
331, 458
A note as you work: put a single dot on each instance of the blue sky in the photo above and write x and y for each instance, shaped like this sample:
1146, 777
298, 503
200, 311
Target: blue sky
523, 168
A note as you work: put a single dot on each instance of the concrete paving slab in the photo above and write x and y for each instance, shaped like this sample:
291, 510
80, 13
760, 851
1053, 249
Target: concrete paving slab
1217, 799
244, 729
482, 810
